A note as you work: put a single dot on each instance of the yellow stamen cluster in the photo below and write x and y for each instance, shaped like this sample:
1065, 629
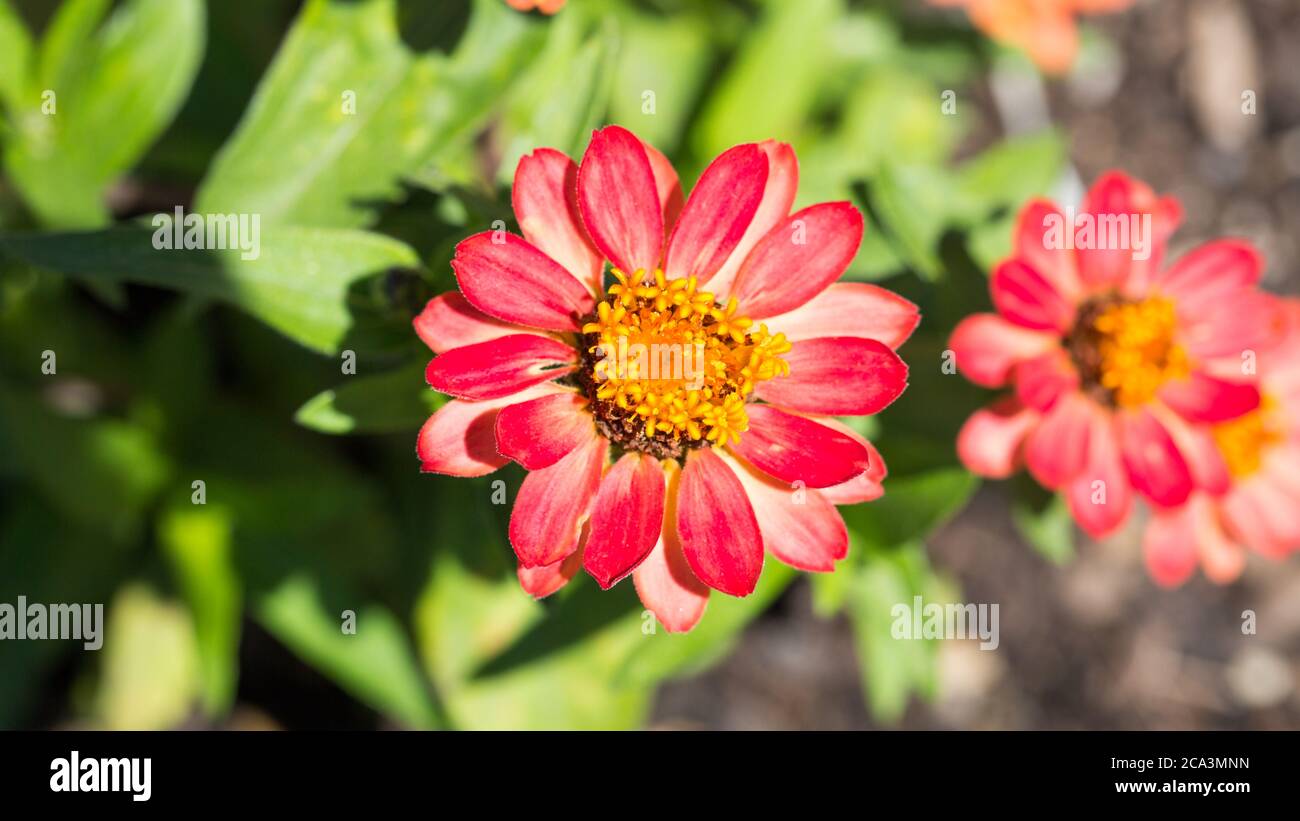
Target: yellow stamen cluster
1137, 349
694, 361
1242, 440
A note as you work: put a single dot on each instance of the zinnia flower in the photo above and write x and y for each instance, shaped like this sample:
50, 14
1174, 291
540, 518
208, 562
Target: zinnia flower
1261, 450
682, 476
1118, 365
544, 6
1044, 29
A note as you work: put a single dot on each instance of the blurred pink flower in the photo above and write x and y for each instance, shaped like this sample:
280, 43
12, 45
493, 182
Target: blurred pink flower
1258, 511
1119, 365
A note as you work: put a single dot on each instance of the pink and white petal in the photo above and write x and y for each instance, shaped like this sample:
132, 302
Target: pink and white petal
1246, 322
1263, 515
1037, 246
506, 277
778, 199
1100, 496
540, 582
449, 321
716, 525
665, 582
1169, 546
1204, 277
1045, 378
851, 309
1200, 397
1056, 450
554, 502
545, 199
839, 376
500, 367
540, 432
1199, 451
798, 259
717, 213
987, 348
866, 486
459, 439
1222, 559
1117, 194
668, 187
627, 518
800, 527
796, 449
1155, 466
989, 443
619, 200
1027, 298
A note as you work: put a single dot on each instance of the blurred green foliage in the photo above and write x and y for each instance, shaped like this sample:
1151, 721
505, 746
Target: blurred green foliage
203, 367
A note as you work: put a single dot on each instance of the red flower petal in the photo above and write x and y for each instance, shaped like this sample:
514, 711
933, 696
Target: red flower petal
987, 347
1204, 277
1057, 450
1155, 466
627, 518
796, 449
545, 198
540, 582
840, 376
865, 487
667, 186
1169, 546
1034, 230
1204, 398
1246, 321
664, 580
778, 198
515, 282
619, 200
989, 442
799, 527
1025, 297
1042, 380
716, 525
798, 259
553, 503
851, 309
1117, 194
1100, 509
460, 438
540, 432
500, 367
1196, 444
449, 321
717, 213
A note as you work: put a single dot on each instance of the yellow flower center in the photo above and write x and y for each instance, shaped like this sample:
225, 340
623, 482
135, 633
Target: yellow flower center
667, 368
1126, 350
1242, 440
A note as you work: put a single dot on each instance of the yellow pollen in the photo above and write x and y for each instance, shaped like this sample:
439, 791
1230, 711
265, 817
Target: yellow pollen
1242, 440
668, 353
1137, 349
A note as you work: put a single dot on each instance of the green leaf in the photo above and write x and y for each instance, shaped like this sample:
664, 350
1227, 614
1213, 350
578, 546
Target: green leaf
113, 94
15, 56
662, 655
149, 678
771, 86
375, 665
911, 508
1009, 173
300, 157
398, 400
308, 284
911, 203
1048, 528
198, 542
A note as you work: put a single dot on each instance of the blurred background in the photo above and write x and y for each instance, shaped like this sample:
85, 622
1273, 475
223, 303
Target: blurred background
190, 366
